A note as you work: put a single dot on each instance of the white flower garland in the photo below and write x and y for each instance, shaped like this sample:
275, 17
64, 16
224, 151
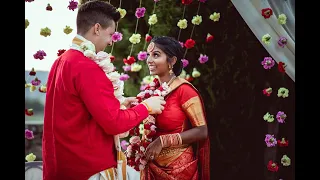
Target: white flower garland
104, 62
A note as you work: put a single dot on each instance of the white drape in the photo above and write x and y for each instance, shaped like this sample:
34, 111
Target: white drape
250, 10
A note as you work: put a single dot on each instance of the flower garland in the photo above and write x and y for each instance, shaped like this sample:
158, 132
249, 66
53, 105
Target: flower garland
267, 64
143, 134
104, 61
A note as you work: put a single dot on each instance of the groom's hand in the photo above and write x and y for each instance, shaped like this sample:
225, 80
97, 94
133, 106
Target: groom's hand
129, 100
155, 104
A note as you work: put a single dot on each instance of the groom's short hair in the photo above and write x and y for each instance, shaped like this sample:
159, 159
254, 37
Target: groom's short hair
93, 12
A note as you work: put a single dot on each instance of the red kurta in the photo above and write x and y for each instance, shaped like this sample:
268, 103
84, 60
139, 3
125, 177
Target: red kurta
81, 116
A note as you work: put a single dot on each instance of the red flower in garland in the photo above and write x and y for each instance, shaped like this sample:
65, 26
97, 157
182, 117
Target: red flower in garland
281, 67
130, 60
189, 43
61, 51
266, 12
186, 2
272, 166
112, 58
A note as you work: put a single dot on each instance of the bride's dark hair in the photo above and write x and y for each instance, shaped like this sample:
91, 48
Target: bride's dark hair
172, 48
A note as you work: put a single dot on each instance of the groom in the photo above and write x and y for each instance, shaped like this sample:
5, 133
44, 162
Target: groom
81, 112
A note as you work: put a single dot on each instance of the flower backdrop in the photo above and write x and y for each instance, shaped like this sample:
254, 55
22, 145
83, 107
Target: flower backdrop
187, 21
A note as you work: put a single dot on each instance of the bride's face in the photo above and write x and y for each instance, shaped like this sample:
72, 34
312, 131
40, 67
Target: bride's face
157, 61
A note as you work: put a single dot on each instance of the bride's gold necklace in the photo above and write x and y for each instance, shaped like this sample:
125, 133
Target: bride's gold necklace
171, 80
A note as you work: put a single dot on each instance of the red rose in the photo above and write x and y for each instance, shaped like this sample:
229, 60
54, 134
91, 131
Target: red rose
49, 8
266, 12
283, 143
189, 43
32, 72
209, 38
189, 78
151, 134
112, 58
130, 60
281, 67
28, 112
148, 38
186, 2
61, 51
273, 167
147, 126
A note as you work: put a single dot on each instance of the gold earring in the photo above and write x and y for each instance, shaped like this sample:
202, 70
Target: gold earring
170, 72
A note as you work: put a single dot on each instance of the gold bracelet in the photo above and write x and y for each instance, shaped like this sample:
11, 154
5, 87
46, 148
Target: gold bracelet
148, 107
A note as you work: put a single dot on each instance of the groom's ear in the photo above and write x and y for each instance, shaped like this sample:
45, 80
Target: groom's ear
96, 29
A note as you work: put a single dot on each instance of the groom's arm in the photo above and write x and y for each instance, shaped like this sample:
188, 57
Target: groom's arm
97, 93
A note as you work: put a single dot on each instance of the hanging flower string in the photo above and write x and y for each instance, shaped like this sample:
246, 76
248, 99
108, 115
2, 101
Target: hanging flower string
152, 20
117, 36
136, 38
281, 117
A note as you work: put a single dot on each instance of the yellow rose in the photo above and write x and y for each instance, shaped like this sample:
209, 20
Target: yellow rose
153, 19
266, 39
196, 20
282, 19
195, 73
122, 12
135, 38
32, 88
215, 16
31, 157
135, 67
27, 85
268, 117
182, 24
183, 74
285, 160
147, 80
283, 92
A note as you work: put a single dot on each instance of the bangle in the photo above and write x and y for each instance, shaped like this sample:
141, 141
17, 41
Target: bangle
148, 107
169, 140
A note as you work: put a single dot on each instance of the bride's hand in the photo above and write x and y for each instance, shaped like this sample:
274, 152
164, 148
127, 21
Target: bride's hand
128, 101
153, 150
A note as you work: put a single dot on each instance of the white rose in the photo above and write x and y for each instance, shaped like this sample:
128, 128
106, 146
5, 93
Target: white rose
102, 55
113, 76
89, 54
106, 66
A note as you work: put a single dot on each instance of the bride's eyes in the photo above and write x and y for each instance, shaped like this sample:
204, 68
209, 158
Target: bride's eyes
155, 55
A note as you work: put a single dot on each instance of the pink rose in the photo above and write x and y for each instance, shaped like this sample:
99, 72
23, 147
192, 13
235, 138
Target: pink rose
153, 128
141, 167
143, 162
134, 139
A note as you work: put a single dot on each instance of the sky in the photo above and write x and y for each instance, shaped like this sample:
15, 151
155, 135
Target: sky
56, 20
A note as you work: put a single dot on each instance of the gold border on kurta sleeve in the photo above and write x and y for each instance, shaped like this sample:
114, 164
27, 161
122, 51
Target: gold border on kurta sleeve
193, 108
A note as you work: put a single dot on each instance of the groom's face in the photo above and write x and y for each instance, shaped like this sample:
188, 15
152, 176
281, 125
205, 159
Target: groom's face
105, 37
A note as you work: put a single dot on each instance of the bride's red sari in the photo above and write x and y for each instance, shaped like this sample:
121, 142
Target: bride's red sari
183, 110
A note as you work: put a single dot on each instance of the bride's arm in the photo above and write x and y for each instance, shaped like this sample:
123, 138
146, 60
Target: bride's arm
194, 110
